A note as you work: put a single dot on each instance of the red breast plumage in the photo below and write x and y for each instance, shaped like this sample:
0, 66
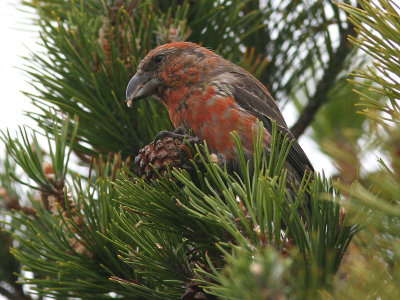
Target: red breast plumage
213, 97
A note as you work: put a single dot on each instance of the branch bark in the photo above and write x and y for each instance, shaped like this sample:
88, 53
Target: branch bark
327, 81
17, 295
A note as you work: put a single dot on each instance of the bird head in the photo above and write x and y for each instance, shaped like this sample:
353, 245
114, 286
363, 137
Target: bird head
167, 67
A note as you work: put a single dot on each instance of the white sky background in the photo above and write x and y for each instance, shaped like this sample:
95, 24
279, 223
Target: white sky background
17, 40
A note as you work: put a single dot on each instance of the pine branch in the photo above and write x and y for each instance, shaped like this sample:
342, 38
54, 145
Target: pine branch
377, 25
371, 268
331, 73
18, 294
210, 222
9, 267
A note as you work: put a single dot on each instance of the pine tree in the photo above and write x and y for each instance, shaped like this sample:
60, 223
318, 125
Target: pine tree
82, 224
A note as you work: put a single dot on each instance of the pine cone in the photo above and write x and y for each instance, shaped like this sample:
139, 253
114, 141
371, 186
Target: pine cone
166, 151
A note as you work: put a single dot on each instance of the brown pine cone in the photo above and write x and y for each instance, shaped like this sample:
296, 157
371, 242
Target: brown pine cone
166, 151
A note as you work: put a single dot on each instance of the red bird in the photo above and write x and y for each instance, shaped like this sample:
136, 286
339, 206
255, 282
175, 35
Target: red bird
212, 96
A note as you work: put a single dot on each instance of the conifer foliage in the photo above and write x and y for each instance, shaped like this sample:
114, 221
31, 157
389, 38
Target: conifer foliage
80, 223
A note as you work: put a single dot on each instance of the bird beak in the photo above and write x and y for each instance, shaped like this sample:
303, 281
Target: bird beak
140, 86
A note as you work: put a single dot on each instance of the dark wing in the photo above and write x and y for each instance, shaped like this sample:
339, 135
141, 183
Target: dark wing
255, 98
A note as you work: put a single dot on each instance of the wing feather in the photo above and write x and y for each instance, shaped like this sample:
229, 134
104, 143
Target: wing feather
252, 96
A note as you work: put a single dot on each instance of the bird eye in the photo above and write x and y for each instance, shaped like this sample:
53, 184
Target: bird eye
158, 58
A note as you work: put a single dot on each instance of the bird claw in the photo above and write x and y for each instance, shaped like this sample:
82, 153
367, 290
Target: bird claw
178, 134
179, 130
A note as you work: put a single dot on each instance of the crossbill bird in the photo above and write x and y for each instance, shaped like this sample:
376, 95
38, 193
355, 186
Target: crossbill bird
212, 97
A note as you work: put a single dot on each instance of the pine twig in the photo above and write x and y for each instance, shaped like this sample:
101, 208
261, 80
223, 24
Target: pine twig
17, 295
13, 203
6, 293
327, 81
9, 268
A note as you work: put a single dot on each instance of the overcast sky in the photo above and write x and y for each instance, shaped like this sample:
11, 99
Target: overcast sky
16, 40
19, 37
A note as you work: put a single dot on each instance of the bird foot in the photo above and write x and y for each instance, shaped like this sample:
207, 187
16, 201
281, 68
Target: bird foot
178, 134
